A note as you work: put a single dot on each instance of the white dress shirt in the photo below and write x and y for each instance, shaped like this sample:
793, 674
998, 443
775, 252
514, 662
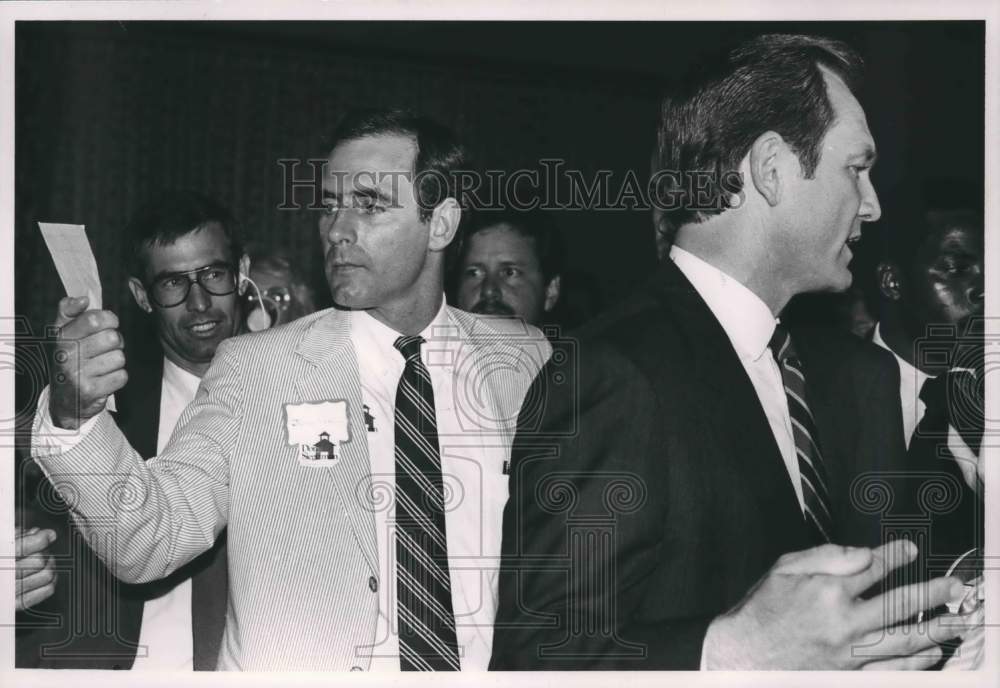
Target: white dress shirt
469, 466
166, 635
472, 466
911, 379
749, 324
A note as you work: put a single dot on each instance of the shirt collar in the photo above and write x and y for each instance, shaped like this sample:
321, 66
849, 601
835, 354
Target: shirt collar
744, 316
364, 323
907, 371
178, 378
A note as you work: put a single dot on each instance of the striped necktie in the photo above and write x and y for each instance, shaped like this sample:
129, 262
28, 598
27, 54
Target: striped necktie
424, 614
815, 493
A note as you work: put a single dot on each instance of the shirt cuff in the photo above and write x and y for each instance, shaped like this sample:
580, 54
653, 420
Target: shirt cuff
47, 438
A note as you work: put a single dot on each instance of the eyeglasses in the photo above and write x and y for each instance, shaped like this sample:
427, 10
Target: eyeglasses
172, 290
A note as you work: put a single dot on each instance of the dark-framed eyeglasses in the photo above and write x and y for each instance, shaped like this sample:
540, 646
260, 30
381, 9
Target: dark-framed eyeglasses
218, 279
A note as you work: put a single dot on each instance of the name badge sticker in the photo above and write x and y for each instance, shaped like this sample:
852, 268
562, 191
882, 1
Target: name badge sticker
317, 430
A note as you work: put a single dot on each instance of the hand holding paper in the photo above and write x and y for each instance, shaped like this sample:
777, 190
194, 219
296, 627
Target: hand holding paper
76, 266
89, 363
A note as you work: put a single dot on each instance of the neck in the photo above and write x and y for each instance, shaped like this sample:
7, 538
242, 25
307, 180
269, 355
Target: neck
196, 368
743, 264
410, 316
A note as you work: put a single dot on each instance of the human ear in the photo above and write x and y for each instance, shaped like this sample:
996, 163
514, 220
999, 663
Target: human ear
139, 294
766, 158
244, 272
888, 280
444, 222
552, 293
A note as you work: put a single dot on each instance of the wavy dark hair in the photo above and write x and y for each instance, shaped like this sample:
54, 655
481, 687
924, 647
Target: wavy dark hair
772, 82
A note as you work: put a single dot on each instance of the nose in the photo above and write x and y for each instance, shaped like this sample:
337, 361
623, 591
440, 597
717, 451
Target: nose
490, 287
338, 228
870, 210
198, 300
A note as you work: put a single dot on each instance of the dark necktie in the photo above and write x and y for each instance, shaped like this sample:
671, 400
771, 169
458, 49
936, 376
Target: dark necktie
815, 492
424, 614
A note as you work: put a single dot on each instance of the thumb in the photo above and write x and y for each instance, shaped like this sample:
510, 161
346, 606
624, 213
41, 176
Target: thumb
69, 308
830, 560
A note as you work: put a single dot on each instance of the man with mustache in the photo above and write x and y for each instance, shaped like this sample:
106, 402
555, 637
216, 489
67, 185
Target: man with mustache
511, 266
356, 456
187, 257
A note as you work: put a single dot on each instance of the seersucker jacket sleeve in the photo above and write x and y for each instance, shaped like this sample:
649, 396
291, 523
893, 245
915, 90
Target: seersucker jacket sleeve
147, 518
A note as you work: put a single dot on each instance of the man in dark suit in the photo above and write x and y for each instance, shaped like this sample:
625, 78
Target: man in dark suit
186, 252
931, 288
683, 498
931, 294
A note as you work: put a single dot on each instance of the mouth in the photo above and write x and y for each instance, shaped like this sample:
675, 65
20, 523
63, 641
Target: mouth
339, 265
493, 308
204, 328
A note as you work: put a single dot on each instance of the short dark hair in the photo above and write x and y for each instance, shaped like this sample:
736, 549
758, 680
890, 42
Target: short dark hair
439, 154
170, 216
772, 82
535, 224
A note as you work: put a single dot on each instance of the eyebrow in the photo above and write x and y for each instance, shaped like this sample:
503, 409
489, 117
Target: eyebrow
869, 155
366, 191
173, 273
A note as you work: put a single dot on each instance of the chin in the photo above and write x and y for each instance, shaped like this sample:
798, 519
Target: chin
350, 296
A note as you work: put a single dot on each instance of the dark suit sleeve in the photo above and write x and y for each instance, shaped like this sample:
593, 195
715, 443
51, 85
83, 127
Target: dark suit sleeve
583, 527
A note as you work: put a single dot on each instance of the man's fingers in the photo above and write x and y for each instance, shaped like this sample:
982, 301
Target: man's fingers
910, 639
26, 600
88, 323
30, 543
69, 308
37, 580
832, 560
106, 362
916, 662
885, 558
26, 566
103, 386
904, 602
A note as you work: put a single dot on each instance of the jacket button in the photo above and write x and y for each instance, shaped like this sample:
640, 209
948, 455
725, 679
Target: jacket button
116, 666
372, 584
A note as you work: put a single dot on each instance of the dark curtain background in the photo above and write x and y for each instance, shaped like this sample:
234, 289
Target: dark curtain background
108, 114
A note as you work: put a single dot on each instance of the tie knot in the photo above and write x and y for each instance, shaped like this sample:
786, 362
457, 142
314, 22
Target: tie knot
781, 344
409, 346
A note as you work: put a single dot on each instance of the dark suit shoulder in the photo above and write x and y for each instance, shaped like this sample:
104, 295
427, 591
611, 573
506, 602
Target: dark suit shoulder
836, 347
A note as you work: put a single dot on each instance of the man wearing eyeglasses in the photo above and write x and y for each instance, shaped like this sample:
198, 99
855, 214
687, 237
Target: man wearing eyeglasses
186, 263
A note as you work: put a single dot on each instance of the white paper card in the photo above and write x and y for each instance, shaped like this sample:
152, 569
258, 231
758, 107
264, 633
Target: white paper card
75, 264
74, 260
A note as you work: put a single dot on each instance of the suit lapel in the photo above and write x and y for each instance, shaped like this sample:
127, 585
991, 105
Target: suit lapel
331, 374
728, 401
139, 405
